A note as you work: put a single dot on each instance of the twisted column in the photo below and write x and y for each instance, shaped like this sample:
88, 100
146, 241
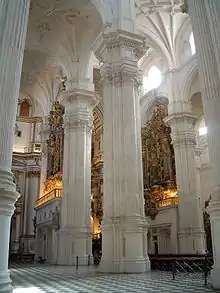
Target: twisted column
206, 29
13, 27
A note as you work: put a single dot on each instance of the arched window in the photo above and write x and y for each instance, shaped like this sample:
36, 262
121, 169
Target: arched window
153, 79
192, 43
25, 108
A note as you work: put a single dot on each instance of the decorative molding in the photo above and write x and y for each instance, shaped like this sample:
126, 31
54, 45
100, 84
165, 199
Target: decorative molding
29, 119
71, 122
33, 173
182, 129
118, 76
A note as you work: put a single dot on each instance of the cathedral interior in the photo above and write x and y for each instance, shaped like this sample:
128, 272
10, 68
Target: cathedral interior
111, 136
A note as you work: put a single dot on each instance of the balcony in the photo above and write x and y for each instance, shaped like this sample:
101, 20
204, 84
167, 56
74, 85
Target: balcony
172, 201
53, 194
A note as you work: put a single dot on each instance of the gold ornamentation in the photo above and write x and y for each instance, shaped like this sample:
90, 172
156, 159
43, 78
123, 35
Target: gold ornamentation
158, 163
54, 182
55, 142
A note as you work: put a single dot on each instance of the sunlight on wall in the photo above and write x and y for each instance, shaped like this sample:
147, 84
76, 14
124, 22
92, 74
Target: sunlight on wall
192, 44
152, 80
203, 130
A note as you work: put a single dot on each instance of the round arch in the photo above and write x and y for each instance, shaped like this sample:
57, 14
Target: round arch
103, 10
150, 100
189, 77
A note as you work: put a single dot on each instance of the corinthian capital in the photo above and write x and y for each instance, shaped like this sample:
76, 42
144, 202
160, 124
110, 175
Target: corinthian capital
77, 123
120, 51
79, 105
182, 129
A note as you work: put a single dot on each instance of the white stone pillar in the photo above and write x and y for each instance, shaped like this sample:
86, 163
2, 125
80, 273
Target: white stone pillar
124, 227
75, 237
206, 29
31, 197
13, 27
191, 231
17, 230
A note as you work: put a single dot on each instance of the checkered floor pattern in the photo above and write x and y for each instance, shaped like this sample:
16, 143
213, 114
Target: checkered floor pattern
51, 279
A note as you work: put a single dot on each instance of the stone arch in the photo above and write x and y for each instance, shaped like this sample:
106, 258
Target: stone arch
104, 10
182, 36
149, 101
156, 44
187, 82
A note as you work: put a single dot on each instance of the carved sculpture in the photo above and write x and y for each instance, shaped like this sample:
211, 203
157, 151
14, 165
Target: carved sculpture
158, 163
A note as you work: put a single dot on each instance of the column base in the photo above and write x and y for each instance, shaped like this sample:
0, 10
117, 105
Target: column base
192, 242
215, 279
124, 245
5, 283
136, 266
74, 247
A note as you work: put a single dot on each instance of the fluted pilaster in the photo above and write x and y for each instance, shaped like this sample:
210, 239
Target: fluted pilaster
75, 233
205, 23
13, 27
191, 232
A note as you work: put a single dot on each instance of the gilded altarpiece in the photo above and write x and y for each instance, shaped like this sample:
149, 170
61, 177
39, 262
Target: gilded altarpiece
158, 163
55, 148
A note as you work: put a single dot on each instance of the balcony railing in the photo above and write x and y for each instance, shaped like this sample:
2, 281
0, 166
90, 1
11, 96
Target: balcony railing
56, 193
172, 201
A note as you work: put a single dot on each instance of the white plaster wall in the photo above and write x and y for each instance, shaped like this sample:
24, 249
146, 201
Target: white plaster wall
167, 216
21, 143
206, 182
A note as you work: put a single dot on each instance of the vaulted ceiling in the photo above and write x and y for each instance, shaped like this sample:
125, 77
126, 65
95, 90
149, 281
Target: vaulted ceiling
59, 38
61, 33
161, 22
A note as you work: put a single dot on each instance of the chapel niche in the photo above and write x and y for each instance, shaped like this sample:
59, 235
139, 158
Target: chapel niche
159, 174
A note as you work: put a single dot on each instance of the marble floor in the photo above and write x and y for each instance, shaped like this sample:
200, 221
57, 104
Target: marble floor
51, 279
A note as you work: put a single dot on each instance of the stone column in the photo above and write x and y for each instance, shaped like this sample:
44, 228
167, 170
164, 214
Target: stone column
206, 29
191, 231
31, 197
17, 229
75, 237
13, 27
124, 227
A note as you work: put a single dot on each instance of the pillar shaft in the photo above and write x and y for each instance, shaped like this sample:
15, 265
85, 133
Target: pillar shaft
191, 232
31, 197
206, 29
124, 228
75, 233
13, 27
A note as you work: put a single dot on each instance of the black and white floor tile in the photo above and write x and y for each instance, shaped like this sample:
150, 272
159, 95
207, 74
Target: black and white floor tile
57, 279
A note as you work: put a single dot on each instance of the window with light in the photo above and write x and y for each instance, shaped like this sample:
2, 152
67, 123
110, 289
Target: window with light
153, 79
